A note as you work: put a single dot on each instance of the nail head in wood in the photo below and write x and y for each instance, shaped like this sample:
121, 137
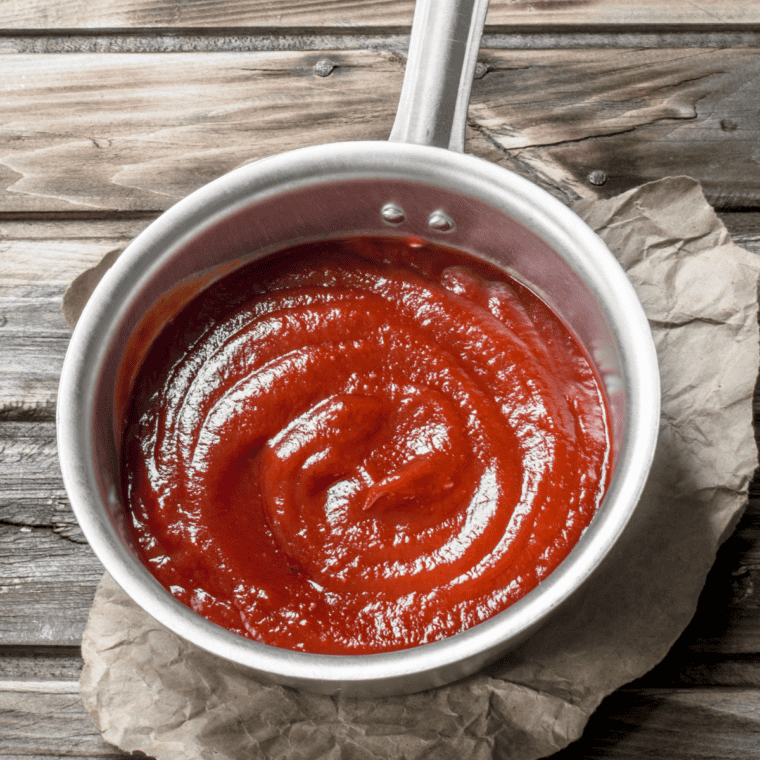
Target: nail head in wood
481, 69
324, 67
597, 177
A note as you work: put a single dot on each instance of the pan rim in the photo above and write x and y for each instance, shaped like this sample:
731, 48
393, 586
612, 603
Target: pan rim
386, 672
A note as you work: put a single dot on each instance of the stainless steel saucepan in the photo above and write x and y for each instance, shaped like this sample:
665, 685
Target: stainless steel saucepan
418, 183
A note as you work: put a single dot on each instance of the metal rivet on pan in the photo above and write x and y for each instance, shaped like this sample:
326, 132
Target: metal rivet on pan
392, 213
440, 221
481, 69
324, 68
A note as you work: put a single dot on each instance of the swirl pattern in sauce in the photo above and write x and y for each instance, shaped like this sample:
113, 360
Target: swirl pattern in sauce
343, 451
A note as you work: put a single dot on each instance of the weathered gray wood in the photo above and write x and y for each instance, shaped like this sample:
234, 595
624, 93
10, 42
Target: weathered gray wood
635, 115
47, 583
48, 574
37, 262
42, 14
43, 718
744, 228
46, 718
683, 667
138, 132
32, 495
672, 724
727, 619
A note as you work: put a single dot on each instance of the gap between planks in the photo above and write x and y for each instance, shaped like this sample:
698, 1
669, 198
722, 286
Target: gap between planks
144, 131
681, 668
236, 40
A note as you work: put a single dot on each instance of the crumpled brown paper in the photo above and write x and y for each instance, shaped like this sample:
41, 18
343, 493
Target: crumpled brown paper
146, 689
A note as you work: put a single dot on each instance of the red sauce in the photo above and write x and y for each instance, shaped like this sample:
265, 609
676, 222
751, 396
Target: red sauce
362, 445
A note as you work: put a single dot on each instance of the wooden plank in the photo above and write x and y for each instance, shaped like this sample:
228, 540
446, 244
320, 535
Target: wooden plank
40, 663
37, 262
672, 724
683, 667
728, 616
32, 496
44, 718
639, 115
341, 14
48, 574
138, 132
47, 583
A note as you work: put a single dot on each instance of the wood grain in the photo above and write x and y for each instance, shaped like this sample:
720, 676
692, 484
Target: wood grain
197, 40
46, 718
728, 615
137, 132
635, 115
672, 724
46, 587
37, 262
682, 667
43, 718
348, 14
40, 663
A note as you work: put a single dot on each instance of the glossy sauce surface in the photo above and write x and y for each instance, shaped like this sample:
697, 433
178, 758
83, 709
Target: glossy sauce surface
362, 445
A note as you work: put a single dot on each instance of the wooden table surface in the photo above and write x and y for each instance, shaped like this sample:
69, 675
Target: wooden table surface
111, 111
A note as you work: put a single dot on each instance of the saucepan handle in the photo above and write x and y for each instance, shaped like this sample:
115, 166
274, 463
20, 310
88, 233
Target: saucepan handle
443, 51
